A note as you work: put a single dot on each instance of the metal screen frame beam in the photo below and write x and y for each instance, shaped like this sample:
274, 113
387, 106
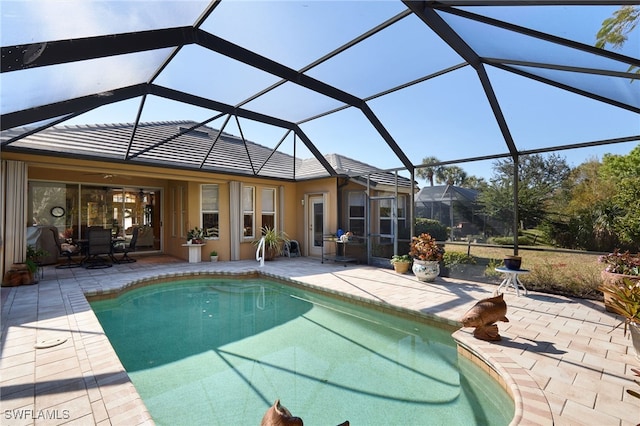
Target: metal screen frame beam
438, 25
71, 106
81, 49
267, 65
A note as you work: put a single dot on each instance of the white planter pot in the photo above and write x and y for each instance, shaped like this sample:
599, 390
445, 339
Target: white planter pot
426, 270
214, 258
635, 338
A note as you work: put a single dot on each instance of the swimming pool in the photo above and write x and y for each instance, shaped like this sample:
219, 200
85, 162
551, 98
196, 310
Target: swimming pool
220, 351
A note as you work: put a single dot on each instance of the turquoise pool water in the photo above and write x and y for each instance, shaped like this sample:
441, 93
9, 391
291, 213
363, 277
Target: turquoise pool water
221, 351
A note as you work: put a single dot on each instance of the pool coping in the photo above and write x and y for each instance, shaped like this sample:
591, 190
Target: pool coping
531, 405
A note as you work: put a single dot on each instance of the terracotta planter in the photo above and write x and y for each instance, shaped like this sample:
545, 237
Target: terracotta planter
18, 274
426, 270
271, 253
611, 278
401, 267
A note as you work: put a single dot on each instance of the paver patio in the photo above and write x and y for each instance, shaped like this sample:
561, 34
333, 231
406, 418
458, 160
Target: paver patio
560, 355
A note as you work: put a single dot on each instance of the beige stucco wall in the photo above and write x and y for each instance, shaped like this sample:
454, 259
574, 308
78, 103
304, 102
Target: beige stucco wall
47, 168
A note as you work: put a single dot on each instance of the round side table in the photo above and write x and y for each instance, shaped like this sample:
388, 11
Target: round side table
511, 279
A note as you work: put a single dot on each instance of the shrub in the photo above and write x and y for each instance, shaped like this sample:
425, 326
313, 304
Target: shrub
458, 258
569, 279
402, 258
523, 240
621, 263
570, 274
431, 227
490, 270
424, 247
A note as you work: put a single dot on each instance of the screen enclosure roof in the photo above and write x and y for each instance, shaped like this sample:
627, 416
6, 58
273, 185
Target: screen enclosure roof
385, 83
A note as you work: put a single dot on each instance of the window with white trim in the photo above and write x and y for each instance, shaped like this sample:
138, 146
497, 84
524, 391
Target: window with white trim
356, 210
209, 201
268, 205
248, 211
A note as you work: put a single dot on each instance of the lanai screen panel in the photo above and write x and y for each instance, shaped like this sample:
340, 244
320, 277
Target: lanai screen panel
403, 79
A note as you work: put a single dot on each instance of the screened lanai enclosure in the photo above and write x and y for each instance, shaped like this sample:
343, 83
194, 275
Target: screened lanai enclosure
383, 82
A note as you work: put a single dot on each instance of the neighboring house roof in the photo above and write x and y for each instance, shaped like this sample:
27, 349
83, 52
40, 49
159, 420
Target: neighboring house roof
444, 193
169, 144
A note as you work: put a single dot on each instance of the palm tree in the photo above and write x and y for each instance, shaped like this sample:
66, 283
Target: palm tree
428, 173
451, 175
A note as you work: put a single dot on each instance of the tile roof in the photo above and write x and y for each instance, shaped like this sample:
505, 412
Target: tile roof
170, 144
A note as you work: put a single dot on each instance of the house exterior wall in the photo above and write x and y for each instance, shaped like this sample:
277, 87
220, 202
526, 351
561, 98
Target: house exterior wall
290, 211
326, 187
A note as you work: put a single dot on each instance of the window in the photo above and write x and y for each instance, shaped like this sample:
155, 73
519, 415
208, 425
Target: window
248, 219
174, 213
355, 201
386, 215
54, 204
269, 207
182, 205
210, 211
403, 231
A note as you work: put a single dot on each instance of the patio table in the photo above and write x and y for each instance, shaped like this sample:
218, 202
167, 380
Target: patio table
511, 279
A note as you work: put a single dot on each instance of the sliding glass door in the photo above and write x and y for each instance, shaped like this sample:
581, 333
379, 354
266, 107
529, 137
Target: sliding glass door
73, 207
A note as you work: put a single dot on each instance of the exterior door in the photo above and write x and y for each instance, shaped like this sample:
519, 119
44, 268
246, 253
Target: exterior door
315, 221
383, 226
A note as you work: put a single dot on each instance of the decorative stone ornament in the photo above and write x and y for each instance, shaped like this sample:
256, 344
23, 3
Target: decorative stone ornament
483, 316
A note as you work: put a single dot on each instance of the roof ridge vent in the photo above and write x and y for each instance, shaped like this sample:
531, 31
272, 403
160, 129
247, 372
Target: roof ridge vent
199, 133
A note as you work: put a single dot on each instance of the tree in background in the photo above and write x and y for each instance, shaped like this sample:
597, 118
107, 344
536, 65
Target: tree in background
448, 175
615, 30
474, 182
540, 177
581, 215
428, 173
598, 206
451, 175
622, 172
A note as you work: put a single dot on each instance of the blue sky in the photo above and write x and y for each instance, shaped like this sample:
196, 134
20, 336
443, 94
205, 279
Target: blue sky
447, 117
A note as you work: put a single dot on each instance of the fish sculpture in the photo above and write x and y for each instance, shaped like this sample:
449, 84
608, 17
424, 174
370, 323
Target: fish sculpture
278, 415
483, 316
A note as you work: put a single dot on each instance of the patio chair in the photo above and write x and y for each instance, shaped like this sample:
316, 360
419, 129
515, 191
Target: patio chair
291, 248
99, 244
66, 250
121, 247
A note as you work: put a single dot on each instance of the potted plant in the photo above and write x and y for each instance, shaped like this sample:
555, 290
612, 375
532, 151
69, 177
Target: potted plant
213, 255
33, 261
625, 301
273, 242
512, 262
426, 254
618, 267
195, 236
401, 262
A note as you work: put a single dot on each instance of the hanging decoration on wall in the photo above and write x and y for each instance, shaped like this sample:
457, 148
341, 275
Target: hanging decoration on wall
57, 211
